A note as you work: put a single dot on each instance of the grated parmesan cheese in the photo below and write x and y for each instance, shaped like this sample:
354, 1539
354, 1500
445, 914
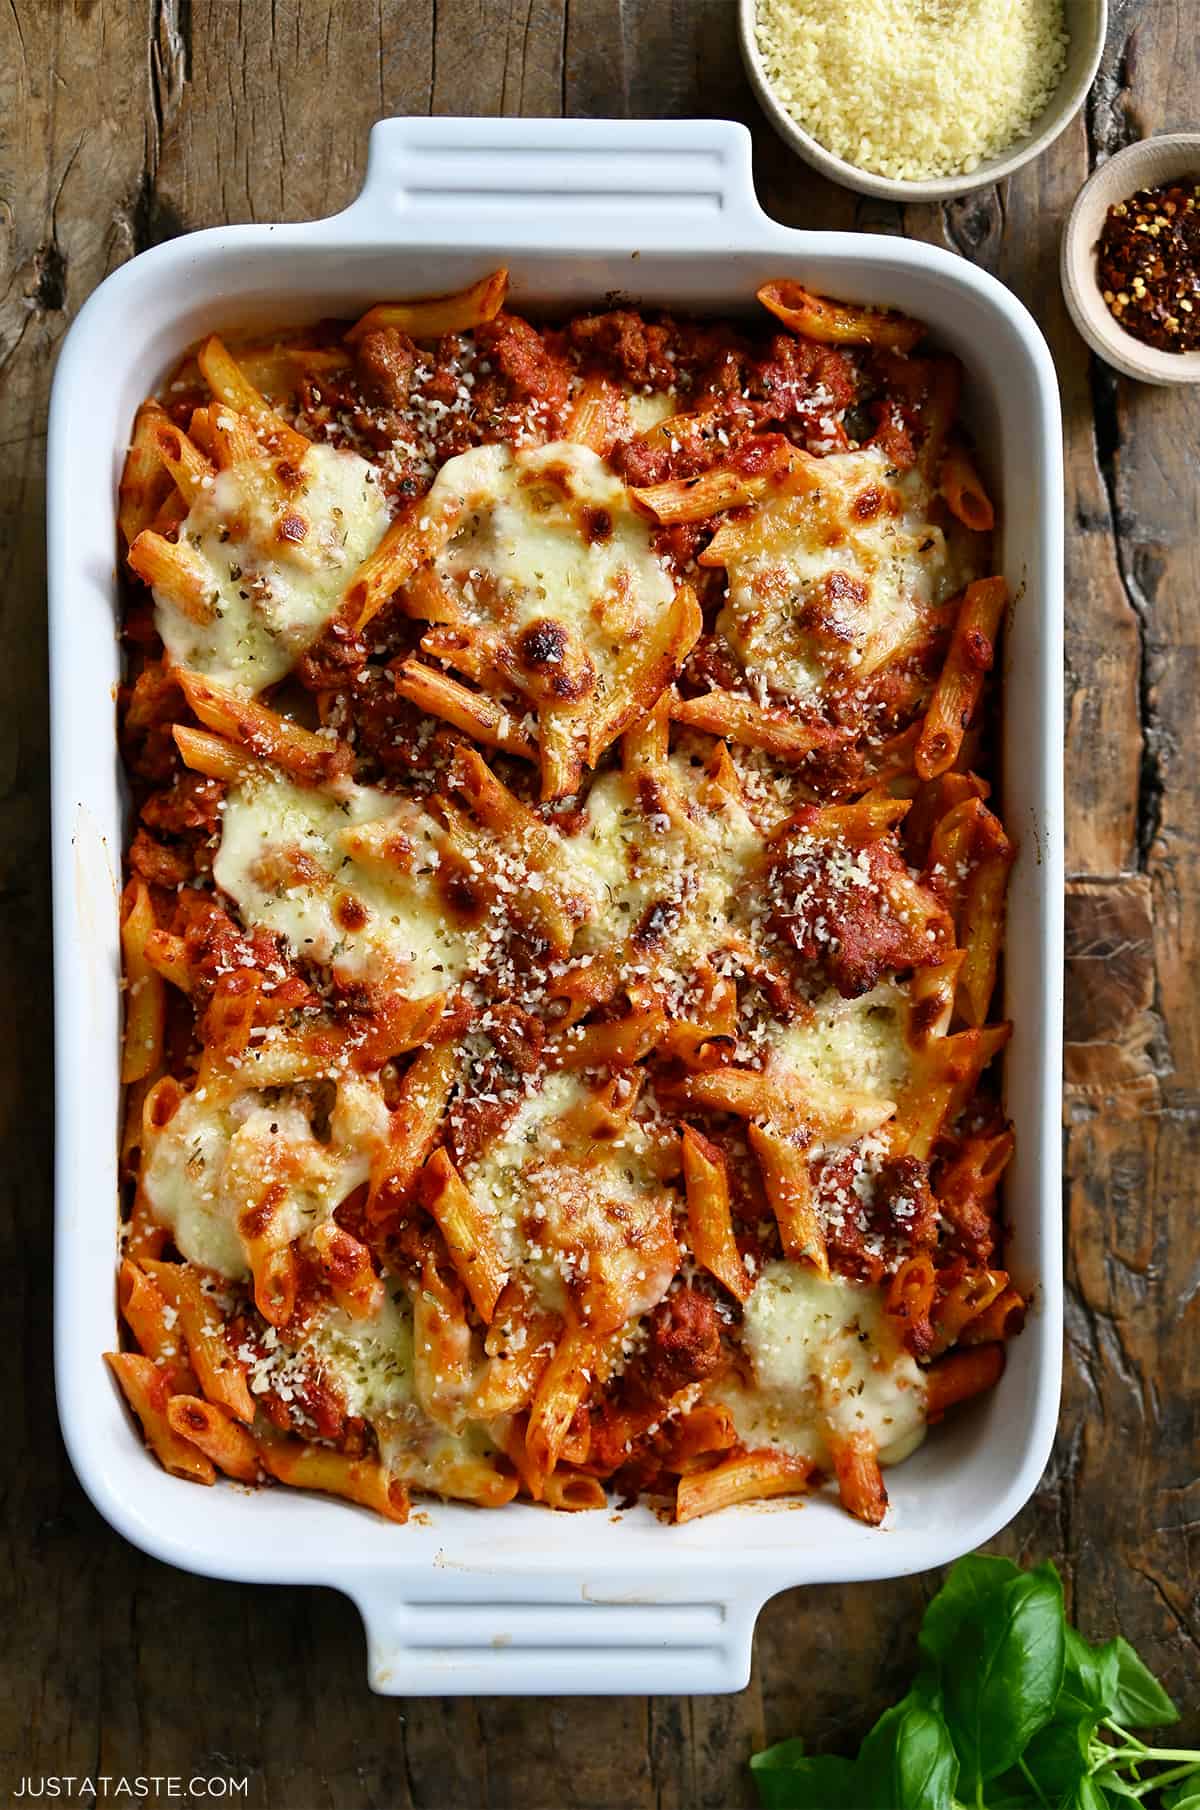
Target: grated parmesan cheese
913, 89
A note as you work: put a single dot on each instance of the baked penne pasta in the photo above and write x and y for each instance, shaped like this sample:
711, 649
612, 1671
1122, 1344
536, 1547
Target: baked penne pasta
562, 924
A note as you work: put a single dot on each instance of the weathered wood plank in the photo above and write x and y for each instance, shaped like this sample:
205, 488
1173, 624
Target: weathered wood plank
123, 123
1114, 1035
71, 163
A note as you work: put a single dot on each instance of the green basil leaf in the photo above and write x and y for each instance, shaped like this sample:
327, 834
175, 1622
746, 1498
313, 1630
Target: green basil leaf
927, 1686
1088, 1796
907, 1760
784, 1753
1089, 1685
971, 1583
1006, 1673
1185, 1795
1057, 1756
1116, 1789
786, 1778
1140, 1700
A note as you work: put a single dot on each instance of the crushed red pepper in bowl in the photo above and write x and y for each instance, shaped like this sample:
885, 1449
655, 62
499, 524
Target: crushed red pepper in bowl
1149, 265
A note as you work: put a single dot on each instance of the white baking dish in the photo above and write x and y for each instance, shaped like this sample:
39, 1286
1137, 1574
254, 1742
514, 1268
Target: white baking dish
462, 1600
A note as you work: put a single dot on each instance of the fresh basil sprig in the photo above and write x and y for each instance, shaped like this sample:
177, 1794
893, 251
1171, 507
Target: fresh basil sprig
1012, 1709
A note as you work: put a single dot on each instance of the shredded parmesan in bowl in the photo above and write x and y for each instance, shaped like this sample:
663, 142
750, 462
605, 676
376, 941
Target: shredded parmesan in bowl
913, 89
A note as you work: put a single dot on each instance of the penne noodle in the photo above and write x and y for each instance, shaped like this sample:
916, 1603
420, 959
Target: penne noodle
957, 693
982, 913
749, 1478
361, 1480
859, 1478
705, 1430
438, 694
200, 430
345, 1262
964, 1302
233, 437
961, 1376
963, 490
215, 757
1001, 1319
222, 1440
967, 1187
221, 1376
789, 1190
145, 483
710, 1226
838, 323
398, 1025
413, 1126
910, 1299
434, 315
561, 1388
646, 672
177, 571
413, 540
598, 416
931, 992
742, 720
230, 385
573, 1491
442, 1360
145, 996
167, 955
618, 1043
229, 1019
945, 1070
469, 1239
150, 1319
713, 492
147, 1391
260, 732
190, 468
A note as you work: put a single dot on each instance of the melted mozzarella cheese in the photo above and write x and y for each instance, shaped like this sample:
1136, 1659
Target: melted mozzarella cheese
839, 579
286, 860
851, 1057
598, 1227
370, 1361
849, 1043
647, 409
370, 1364
273, 592
826, 1365
220, 1151
693, 859
548, 533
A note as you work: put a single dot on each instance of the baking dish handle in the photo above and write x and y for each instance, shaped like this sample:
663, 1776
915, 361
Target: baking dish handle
468, 182
532, 1636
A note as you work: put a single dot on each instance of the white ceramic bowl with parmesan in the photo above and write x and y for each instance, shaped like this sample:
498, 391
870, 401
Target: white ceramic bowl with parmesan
1086, 23
463, 1600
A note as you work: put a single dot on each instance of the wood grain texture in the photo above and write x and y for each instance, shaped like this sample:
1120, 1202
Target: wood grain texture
123, 122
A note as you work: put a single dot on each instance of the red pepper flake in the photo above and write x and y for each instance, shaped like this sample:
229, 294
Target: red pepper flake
1149, 265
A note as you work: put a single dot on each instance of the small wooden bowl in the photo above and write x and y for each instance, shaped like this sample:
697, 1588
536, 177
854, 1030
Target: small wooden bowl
1087, 22
1147, 165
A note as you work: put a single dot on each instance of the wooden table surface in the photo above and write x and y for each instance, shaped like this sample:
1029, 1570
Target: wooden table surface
124, 122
